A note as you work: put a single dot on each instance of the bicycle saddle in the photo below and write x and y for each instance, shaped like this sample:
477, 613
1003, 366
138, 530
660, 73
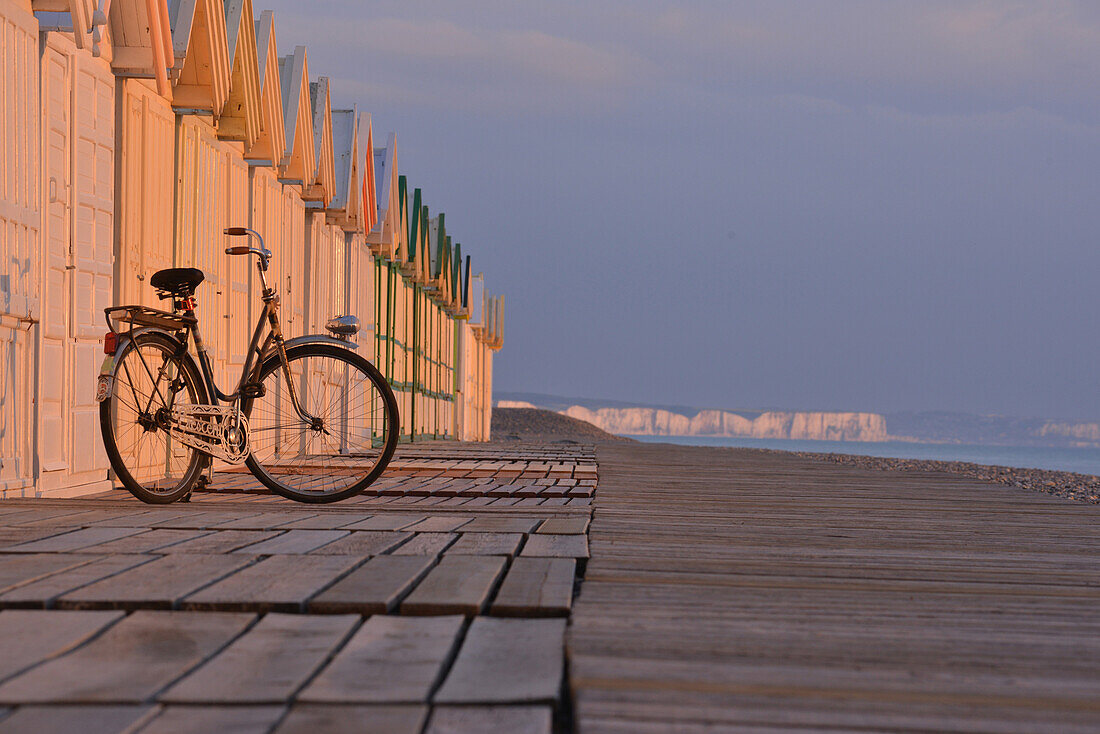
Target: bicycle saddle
179, 282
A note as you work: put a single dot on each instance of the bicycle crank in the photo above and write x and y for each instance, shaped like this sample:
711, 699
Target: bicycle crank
216, 430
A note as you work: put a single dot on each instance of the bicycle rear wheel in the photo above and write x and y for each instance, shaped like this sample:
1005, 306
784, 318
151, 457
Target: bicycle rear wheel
149, 381
350, 444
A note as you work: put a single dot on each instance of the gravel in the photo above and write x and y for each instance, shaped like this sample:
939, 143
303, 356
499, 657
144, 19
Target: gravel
1079, 487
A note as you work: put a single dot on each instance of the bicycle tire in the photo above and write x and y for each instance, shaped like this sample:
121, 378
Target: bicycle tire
328, 467
119, 420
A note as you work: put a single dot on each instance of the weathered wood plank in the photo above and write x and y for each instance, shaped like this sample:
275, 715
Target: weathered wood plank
507, 661
536, 587
425, 544
564, 526
131, 661
439, 524
556, 546
45, 591
211, 719
83, 719
364, 543
458, 585
327, 521
154, 540
157, 585
75, 540
385, 521
314, 718
373, 588
222, 541
264, 520
28, 637
16, 536
294, 541
278, 583
267, 664
16, 570
487, 544
388, 660
497, 524
490, 720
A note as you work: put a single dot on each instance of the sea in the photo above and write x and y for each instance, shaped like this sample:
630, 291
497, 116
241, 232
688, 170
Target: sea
1079, 460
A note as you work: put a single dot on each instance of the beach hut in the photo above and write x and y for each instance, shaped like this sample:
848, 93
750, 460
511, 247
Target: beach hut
203, 66
389, 225
241, 117
20, 242
298, 164
270, 143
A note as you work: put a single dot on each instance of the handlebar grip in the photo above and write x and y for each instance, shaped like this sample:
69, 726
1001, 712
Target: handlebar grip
238, 250
236, 231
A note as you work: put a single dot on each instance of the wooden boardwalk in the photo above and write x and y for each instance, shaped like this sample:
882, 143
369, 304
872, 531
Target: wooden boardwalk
757, 592
434, 603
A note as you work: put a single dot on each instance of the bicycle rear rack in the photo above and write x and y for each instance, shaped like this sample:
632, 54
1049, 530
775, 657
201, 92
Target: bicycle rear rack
146, 316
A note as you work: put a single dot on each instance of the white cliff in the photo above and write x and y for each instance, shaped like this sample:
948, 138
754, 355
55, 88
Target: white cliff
721, 423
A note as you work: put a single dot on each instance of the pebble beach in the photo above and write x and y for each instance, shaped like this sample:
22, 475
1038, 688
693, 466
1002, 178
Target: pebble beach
1078, 487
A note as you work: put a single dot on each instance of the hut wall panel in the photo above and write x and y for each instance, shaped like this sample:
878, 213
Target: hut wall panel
293, 245
20, 222
207, 180
145, 190
78, 261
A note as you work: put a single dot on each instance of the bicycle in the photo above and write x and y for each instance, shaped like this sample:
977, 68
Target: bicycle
311, 419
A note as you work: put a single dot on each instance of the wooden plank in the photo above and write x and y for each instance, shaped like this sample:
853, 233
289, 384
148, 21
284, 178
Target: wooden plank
564, 526
222, 719
499, 524
439, 524
313, 718
490, 720
388, 660
556, 546
28, 637
15, 536
458, 585
425, 544
146, 542
536, 587
364, 543
157, 585
45, 591
386, 521
294, 541
374, 588
222, 541
327, 521
507, 661
75, 540
267, 664
263, 520
278, 583
83, 719
17, 570
131, 661
487, 544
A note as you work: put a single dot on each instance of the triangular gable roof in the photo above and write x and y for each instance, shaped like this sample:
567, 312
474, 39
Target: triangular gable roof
324, 177
387, 217
241, 116
202, 55
140, 45
344, 207
368, 206
271, 142
296, 163
415, 227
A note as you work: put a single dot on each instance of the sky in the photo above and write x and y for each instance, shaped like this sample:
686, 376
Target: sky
853, 205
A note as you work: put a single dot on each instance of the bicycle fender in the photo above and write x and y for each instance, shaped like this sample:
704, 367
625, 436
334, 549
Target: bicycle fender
105, 382
310, 339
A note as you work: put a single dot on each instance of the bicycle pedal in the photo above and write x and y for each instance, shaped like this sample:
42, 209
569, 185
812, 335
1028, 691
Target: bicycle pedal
254, 390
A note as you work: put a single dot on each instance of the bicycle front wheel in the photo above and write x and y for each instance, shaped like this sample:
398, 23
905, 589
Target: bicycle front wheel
342, 440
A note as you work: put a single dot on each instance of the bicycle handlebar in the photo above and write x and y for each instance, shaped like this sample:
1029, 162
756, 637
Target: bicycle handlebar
262, 252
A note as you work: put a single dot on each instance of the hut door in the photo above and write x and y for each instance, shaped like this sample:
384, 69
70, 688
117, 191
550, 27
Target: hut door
78, 115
